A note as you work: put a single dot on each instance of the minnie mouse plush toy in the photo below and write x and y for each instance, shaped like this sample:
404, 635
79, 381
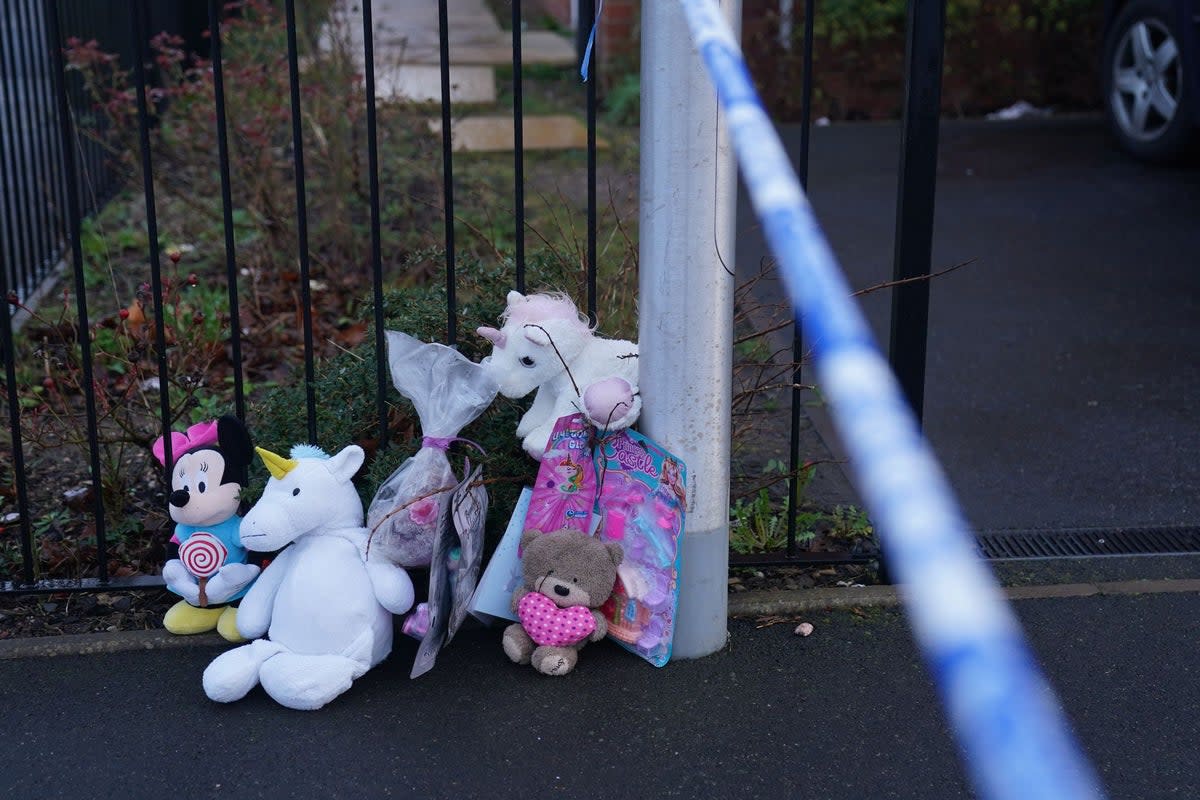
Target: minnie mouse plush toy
206, 563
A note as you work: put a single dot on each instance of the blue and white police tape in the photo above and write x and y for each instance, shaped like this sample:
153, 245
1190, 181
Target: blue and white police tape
1015, 739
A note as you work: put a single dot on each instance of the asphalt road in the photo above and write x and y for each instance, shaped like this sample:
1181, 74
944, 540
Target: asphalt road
847, 713
1063, 383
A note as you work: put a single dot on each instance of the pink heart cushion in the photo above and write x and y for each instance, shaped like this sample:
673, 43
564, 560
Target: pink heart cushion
547, 624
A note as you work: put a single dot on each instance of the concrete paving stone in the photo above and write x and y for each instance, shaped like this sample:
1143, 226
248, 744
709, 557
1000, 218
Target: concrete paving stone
1146, 586
423, 84
404, 15
547, 47
494, 133
755, 604
1109, 569
417, 20
97, 643
1039, 592
408, 52
537, 47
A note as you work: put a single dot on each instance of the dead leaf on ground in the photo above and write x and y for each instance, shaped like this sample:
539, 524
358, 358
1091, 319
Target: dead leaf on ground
351, 335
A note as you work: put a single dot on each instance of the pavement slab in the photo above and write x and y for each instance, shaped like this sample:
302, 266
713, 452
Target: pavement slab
408, 51
420, 83
486, 133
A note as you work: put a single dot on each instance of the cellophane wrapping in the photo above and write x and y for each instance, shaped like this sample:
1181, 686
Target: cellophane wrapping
448, 391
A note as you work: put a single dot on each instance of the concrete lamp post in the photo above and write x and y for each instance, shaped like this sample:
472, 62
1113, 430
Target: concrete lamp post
687, 216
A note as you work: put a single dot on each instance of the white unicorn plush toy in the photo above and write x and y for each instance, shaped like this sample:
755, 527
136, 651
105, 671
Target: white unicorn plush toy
543, 343
327, 611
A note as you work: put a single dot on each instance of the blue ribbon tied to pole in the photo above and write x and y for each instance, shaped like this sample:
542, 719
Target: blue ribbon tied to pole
586, 66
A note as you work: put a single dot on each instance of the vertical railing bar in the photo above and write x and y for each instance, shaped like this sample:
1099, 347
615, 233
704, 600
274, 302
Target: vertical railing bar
86, 148
231, 271
12, 255
381, 370
29, 176
55, 154
301, 220
593, 77
7, 262
52, 156
29, 141
78, 99
99, 172
68, 19
156, 282
45, 149
447, 171
16, 143
9, 353
60, 193
14, 421
915, 206
7, 174
93, 159
75, 231
797, 334
35, 167
518, 145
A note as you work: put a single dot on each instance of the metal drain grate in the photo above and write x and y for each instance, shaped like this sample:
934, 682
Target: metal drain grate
1011, 545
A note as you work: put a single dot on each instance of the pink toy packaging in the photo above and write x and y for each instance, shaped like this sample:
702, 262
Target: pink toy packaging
564, 495
621, 488
641, 507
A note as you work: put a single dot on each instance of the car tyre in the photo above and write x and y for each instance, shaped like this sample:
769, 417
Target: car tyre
1148, 94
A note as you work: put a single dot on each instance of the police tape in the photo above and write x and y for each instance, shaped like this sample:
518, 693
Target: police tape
1015, 739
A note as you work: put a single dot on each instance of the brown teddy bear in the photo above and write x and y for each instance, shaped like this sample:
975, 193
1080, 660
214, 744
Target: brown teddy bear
567, 576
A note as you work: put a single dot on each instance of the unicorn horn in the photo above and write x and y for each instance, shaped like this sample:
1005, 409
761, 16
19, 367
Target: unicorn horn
494, 336
277, 465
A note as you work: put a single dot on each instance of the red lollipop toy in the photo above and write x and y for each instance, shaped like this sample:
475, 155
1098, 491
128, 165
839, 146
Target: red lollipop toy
203, 554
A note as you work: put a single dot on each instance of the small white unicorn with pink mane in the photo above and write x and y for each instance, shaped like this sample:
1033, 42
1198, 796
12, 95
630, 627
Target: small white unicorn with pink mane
545, 344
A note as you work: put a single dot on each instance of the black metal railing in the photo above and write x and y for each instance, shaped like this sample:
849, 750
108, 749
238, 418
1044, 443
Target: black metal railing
43, 109
32, 197
76, 176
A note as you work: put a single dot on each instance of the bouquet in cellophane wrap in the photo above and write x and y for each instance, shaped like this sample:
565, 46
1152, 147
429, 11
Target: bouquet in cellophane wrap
448, 392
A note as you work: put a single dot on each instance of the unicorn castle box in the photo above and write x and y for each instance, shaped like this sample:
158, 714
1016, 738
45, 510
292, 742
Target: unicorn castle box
641, 505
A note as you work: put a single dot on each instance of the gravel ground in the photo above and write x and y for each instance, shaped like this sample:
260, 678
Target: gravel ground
23, 616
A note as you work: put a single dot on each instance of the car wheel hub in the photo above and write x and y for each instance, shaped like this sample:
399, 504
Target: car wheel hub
1147, 80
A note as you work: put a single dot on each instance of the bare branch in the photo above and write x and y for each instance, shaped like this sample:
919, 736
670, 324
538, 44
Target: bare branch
915, 279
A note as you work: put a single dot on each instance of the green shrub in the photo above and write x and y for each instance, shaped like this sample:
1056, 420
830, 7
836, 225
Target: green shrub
345, 386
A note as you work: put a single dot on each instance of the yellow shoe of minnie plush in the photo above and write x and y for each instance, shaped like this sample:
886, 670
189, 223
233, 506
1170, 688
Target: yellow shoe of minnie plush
227, 625
184, 618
